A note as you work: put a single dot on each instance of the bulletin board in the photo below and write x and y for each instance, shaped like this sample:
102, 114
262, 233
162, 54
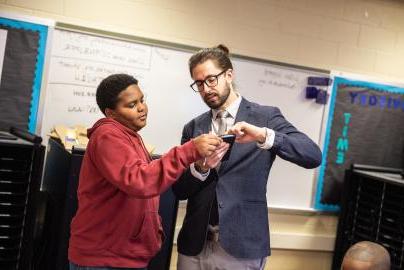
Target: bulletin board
365, 126
21, 72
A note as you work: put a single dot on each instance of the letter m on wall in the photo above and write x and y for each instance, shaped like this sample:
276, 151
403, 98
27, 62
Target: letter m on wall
342, 144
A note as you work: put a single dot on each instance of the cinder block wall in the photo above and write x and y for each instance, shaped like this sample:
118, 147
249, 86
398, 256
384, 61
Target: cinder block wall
359, 36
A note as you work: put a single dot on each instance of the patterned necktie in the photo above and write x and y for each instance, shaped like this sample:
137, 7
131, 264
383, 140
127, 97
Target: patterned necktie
221, 121
221, 129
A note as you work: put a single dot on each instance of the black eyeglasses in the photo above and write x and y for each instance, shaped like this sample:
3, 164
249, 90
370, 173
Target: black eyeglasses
210, 81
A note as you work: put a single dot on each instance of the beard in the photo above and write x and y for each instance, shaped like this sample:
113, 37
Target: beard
221, 99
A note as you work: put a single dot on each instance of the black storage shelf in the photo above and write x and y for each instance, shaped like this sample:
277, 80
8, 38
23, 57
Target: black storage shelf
372, 209
20, 170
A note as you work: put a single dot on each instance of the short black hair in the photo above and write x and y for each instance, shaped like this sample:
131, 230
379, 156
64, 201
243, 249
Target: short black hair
109, 89
219, 54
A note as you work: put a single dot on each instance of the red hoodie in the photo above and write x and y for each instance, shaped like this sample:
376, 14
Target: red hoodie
117, 222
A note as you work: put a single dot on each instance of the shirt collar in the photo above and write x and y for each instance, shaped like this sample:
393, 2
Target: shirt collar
232, 109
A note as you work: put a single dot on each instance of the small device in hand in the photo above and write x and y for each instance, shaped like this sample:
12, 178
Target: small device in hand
228, 138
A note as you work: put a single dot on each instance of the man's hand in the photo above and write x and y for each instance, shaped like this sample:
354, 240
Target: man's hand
246, 133
206, 144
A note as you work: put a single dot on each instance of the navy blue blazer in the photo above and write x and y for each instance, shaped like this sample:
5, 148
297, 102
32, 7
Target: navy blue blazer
240, 184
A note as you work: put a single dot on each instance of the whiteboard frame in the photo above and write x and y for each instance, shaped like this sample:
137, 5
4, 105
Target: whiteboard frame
188, 48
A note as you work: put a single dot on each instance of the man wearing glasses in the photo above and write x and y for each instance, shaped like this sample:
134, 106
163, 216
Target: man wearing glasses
226, 222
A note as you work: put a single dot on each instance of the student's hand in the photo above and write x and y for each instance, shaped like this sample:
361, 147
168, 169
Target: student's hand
246, 132
206, 144
213, 160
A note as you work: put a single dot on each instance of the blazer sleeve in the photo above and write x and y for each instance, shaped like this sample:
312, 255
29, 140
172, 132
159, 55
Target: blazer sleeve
188, 185
291, 144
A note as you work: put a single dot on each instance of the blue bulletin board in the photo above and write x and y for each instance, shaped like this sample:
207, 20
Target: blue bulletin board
22, 73
365, 126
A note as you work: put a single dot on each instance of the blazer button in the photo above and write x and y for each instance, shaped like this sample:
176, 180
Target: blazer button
221, 205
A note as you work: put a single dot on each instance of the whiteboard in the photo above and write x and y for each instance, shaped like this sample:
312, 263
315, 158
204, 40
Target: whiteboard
289, 186
80, 61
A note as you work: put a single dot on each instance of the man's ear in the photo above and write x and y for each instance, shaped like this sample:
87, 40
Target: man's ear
229, 75
109, 113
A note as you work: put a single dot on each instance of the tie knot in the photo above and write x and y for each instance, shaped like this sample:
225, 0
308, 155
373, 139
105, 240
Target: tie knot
222, 114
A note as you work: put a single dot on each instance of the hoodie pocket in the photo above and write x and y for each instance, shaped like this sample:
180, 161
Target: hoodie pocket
151, 233
144, 243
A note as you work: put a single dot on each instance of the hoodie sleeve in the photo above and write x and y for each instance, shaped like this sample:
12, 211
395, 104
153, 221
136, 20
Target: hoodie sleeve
116, 158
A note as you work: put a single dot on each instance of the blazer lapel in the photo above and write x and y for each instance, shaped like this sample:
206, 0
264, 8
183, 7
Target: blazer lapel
203, 124
243, 114
244, 111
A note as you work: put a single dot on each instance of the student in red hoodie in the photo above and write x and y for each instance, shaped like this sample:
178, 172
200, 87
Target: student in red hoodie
117, 225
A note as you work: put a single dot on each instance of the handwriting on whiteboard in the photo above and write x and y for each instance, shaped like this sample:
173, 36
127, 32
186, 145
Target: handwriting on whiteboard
101, 50
272, 77
83, 93
79, 72
83, 109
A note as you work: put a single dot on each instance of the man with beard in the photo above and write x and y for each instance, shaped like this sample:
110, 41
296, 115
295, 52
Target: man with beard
226, 222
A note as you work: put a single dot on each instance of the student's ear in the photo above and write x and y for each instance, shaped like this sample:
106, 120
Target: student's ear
109, 113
